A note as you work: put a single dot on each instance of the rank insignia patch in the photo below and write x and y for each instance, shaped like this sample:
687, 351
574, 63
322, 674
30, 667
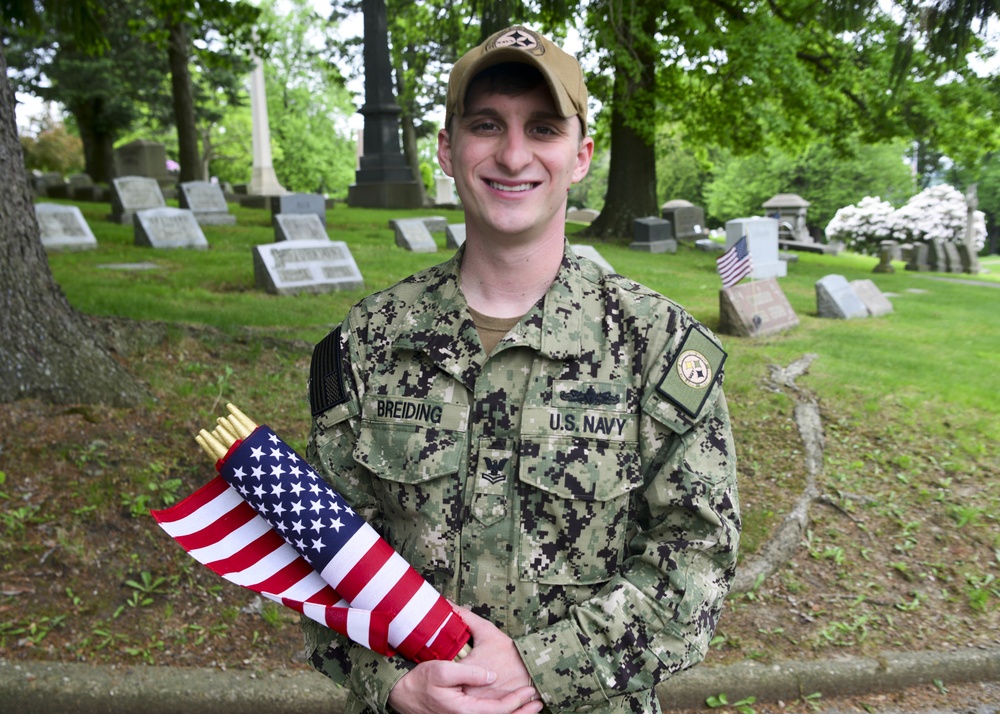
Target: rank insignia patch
694, 369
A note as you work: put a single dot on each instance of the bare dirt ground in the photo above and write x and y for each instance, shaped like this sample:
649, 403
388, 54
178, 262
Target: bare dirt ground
897, 556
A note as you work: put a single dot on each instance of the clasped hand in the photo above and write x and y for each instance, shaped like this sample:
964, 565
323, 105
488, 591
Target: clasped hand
492, 679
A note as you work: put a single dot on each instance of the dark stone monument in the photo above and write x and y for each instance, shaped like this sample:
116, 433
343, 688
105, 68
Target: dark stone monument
384, 179
969, 258
144, 157
305, 266
687, 219
755, 309
652, 235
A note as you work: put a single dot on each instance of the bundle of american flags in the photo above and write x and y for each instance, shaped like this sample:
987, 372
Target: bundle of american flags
270, 523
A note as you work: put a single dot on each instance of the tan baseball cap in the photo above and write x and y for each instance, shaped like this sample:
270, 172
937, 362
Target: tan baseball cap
519, 44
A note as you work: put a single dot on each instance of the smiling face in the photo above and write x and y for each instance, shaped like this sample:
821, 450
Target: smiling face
513, 158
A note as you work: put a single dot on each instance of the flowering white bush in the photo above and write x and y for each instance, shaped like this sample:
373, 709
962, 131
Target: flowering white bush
860, 228
936, 213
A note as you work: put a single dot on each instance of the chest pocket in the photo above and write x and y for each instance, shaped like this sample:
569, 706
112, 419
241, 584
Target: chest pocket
577, 470
414, 449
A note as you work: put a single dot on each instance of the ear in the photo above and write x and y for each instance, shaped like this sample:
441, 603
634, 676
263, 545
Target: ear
444, 152
583, 157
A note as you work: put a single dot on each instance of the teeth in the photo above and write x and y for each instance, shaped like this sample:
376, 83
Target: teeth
502, 187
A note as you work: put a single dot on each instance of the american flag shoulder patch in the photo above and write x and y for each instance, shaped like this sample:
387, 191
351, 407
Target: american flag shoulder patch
326, 375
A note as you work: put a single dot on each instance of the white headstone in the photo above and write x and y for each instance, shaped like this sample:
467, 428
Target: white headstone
762, 242
63, 227
445, 189
134, 193
835, 298
305, 266
207, 201
299, 226
590, 252
168, 228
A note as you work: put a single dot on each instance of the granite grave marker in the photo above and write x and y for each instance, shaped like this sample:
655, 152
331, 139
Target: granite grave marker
299, 203
207, 201
755, 309
299, 226
133, 193
874, 299
168, 227
305, 266
63, 227
835, 298
652, 235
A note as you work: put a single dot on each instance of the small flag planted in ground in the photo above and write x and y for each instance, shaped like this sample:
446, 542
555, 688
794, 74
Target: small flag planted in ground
735, 264
270, 523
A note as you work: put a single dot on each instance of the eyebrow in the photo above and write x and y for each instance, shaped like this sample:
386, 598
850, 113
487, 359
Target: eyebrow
492, 113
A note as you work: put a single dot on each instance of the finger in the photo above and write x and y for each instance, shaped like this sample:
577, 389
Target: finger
451, 674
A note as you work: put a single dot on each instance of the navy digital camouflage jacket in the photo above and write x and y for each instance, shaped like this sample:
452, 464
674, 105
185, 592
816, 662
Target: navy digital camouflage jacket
577, 487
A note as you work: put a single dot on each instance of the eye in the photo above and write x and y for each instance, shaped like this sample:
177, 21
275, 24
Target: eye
484, 127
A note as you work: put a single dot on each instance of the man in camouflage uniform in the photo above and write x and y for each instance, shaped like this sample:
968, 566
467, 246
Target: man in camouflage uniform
546, 443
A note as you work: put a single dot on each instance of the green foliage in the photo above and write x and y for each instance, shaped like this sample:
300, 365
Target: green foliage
53, 148
825, 177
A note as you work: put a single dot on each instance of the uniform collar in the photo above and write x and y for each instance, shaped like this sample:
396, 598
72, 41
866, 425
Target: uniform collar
439, 324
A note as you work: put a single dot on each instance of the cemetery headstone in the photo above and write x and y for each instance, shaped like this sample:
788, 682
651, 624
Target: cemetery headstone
591, 253
413, 234
42, 183
936, 258
168, 228
968, 258
762, 242
790, 210
953, 262
63, 227
687, 219
83, 188
444, 190
299, 203
874, 299
133, 193
755, 309
305, 266
652, 235
582, 215
918, 260
299, 226
455, 235
207, 201
835, 298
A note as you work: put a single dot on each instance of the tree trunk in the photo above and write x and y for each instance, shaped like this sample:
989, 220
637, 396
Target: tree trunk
631, 173
98, 145
47, 349
180, 81
412, 156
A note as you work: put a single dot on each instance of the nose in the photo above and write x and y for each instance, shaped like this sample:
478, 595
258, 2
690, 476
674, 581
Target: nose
513, 152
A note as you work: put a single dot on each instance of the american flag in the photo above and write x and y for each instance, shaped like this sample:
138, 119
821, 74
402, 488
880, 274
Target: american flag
271, 524
735, 264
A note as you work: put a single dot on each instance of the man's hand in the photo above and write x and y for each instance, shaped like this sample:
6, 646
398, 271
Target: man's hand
492, 679
439, 688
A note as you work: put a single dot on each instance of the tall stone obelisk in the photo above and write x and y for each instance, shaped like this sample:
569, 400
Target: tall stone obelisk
263, 181
383, 179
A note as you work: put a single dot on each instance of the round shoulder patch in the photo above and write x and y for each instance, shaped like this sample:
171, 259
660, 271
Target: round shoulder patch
694, 369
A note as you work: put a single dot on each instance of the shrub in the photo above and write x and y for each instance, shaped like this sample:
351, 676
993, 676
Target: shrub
936, 213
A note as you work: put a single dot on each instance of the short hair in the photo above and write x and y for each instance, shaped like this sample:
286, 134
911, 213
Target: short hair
509, 79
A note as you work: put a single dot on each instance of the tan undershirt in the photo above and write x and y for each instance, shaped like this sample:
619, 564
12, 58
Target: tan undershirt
492, 329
